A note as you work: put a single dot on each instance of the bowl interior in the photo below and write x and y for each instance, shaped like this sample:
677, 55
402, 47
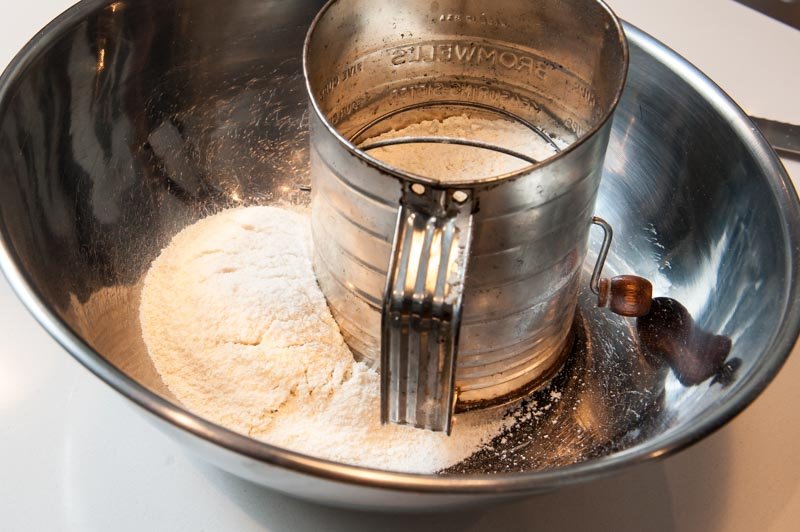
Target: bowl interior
128, 121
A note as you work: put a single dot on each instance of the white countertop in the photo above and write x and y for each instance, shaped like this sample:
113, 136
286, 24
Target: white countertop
75, 456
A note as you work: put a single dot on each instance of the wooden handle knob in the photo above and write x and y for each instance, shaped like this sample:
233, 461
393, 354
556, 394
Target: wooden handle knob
626, 295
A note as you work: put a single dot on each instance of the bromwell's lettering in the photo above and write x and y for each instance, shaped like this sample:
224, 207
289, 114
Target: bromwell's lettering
489, 56
475, 54
465, 54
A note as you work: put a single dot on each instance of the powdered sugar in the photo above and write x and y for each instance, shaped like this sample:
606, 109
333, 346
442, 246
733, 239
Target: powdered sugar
241, 334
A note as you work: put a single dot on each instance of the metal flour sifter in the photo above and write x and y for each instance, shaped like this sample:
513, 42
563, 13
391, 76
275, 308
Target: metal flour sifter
462, 291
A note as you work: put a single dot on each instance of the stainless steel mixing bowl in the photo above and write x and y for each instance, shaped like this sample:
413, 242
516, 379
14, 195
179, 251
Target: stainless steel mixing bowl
123, 122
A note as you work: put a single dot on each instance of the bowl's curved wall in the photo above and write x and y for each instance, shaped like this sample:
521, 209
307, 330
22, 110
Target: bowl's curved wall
133, 122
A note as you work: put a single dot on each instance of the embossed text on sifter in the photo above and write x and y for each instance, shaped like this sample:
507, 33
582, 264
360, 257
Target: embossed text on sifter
463, 290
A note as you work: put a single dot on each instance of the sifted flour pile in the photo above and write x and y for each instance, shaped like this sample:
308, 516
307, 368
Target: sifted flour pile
241, 334
448, 162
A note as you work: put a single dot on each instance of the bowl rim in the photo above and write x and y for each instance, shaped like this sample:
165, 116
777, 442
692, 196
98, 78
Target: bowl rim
776, 353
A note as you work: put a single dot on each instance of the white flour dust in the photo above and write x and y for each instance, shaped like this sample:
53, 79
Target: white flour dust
241, 334
450, 162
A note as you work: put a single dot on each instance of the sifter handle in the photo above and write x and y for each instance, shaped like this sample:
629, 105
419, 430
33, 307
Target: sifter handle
626, 295
422, 301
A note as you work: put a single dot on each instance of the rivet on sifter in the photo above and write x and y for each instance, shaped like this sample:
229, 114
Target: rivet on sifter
418, 189
460, 196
